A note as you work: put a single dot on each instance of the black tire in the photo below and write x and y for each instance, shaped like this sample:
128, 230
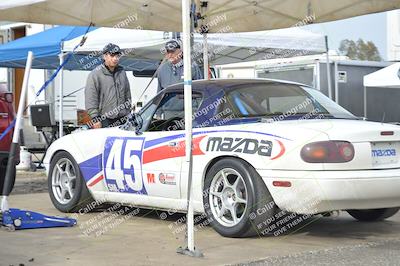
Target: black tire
81, 199
3, 167
260, 207
373, 215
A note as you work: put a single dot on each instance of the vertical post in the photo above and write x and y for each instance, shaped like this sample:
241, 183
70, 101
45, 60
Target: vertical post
10, 173
188, 118
205, 57
328, 68
317, 84
365, 102
61, 99
336, 83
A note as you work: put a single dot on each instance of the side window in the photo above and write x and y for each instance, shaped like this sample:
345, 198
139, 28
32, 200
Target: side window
147, 115
170, 114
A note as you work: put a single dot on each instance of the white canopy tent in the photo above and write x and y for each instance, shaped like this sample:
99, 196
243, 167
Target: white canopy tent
388, 77
240, 15
174, 15
222, 48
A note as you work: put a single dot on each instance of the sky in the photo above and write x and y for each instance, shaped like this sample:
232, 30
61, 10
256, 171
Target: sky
369, 28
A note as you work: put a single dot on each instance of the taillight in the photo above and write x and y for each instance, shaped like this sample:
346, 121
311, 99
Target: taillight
328, 152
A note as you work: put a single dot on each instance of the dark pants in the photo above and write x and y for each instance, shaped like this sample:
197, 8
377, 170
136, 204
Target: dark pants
110, 122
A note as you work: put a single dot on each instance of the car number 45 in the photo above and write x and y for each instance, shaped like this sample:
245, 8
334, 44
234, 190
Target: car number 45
122, 159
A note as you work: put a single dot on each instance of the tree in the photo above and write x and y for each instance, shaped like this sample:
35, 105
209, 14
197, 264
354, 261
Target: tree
360, 50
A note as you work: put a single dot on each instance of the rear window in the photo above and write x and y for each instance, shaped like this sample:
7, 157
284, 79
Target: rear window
266, 100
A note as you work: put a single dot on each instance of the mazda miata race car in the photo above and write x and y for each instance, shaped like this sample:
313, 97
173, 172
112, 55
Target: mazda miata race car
264, 151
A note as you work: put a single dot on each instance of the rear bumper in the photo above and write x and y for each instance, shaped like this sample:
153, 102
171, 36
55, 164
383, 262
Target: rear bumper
320, 191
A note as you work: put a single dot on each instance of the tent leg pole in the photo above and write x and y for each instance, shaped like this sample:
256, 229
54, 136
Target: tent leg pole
61, 100
188, 121
205, 57
186, 21
10, 173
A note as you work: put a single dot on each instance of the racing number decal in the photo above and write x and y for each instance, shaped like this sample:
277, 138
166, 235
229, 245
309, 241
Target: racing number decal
122, 159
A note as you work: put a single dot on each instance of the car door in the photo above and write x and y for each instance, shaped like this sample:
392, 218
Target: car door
122, 155
148, 160
164, 148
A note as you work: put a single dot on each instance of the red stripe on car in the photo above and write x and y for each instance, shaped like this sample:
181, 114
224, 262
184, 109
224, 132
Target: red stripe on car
167, 152
97, 180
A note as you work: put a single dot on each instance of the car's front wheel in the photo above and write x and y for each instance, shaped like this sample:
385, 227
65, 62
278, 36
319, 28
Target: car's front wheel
373, 214
67, 188
236, 200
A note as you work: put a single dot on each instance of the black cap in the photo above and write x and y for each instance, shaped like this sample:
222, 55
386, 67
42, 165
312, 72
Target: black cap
111, 49
172, 45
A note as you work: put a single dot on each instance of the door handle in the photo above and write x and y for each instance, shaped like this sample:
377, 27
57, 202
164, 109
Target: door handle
173, 144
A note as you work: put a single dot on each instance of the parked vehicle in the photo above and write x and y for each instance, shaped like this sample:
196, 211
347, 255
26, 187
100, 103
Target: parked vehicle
264, 151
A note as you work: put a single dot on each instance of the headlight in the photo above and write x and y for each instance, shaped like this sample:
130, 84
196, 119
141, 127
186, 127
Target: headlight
328, 152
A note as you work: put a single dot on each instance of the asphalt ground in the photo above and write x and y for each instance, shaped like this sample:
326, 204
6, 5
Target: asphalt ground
30, 182
128, 236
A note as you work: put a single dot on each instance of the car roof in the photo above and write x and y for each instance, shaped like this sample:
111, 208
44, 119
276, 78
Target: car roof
202, 84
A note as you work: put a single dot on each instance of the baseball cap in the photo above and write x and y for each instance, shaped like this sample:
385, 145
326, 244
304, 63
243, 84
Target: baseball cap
111, 49
172, 45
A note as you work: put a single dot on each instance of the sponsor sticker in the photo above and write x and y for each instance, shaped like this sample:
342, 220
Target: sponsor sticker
167, 178
240, 145
151, 178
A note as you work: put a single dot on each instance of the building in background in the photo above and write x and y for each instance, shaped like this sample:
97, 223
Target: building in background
393, 35
347, 87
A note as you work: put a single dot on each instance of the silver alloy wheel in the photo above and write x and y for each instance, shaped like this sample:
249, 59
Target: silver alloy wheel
228, 197
63, 180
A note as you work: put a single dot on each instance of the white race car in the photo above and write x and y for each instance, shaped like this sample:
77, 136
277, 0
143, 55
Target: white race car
263, 150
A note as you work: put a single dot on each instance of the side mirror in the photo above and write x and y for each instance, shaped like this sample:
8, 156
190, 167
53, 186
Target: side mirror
135, 122
9, 97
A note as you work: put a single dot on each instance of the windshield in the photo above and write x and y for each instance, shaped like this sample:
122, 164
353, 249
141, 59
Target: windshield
283, 100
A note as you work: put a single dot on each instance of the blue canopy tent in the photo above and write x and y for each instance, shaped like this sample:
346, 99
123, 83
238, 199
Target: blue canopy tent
47, 46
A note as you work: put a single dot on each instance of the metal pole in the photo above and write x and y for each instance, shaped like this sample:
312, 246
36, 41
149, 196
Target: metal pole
60, 99
318, 75
336, 83
328, 68
10, 172
187, 69
205, 57
365, 102
188, 117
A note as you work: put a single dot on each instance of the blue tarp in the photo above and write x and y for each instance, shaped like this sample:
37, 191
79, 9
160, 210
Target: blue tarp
46, 47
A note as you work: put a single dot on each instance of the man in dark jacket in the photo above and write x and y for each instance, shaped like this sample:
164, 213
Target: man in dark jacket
171, 72
107, 92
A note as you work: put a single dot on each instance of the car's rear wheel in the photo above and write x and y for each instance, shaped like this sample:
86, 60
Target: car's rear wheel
67, 188
373, 214
236, 200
